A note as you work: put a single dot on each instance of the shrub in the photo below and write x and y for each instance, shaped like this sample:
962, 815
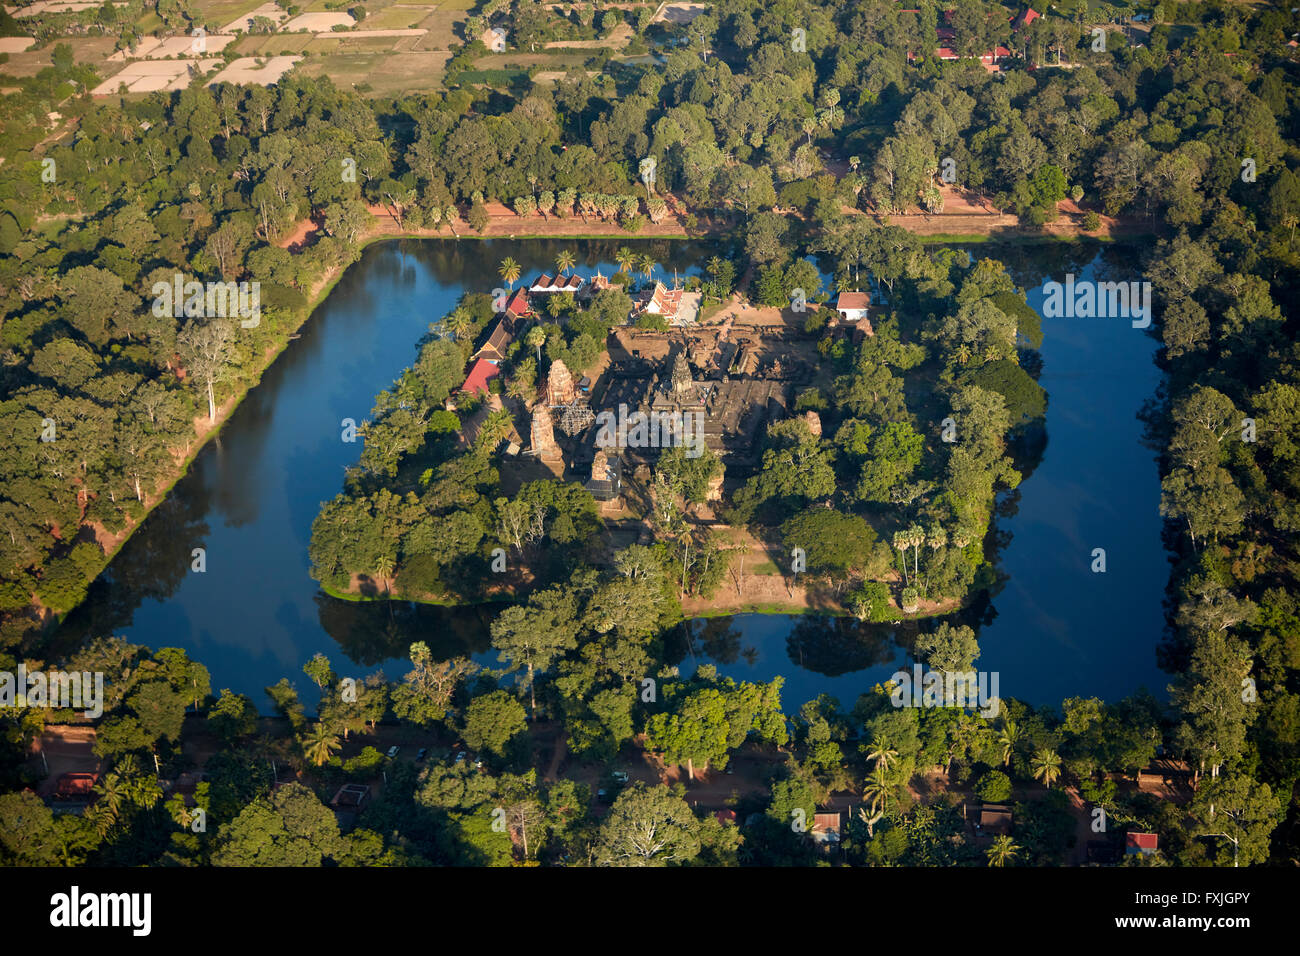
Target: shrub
993, 787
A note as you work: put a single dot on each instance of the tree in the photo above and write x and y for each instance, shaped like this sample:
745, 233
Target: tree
696, 731
289, 828
948, 649
320, 671
233, 716
1211, 699
1240, 811
564, 260
534, 637
509, 271
536, 338
319, 744
208, 348
427, 691
1002, 851
1046, 766
493, 721
648, 826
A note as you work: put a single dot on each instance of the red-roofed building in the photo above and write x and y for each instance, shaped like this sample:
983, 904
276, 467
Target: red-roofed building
76, 786
853, 306
1145, 843
517, 306
1026, 18
480, 374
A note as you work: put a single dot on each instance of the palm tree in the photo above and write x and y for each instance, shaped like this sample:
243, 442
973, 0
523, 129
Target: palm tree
1008, 738
902, 541
916, 538
384, 565
460, 323
625, 258
1047, 766
113, 793
319, 744
564, 260
648, 266
877, 790
870, 819
1003, 851
536, 337
882, 755
509, 271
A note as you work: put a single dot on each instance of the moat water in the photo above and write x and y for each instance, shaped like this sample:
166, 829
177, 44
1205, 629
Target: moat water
1053, 628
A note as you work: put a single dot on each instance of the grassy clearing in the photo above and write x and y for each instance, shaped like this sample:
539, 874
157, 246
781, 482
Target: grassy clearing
384, 74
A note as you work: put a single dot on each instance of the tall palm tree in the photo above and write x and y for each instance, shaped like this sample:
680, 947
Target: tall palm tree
509, 271
319, 744
870, 819
536, 337
1047, 766
625, 258
882, 755
877, 790
564, 260
648, 266
1003, 851
384, 566
916, 538
902, 541
1008, 738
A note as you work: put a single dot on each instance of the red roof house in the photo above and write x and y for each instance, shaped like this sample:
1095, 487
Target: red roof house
1135, 843
517, 306
1026, 18
480, 374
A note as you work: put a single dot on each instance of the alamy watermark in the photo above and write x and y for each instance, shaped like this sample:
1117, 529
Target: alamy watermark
194, 299
1087, 299
921, 688
653, 429
77, 690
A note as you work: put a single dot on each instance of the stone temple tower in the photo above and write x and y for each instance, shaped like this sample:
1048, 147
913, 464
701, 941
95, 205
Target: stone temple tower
542, 440
680, 381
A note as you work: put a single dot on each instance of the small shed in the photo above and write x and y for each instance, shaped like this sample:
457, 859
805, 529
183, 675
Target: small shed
1141, 843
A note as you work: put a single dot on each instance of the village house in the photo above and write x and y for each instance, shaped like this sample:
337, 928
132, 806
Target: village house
853, 306
494, 38
826, 827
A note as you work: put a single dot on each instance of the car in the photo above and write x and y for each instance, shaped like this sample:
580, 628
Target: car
619, 776
602, 795
421, 755
460, 757
392, 752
